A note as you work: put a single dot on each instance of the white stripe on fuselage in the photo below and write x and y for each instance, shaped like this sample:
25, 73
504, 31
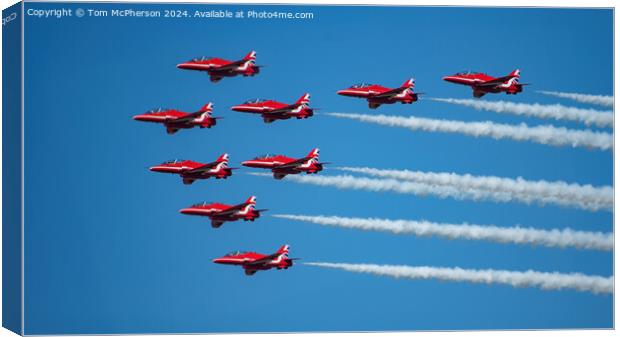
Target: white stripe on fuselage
308, 163
157, 117
173, 168
203, 116
205, 210
245, 66
403, 93
245, 210
475, 81
218, 167
255, 108
357, 92
509, 83
264, 163
229, 259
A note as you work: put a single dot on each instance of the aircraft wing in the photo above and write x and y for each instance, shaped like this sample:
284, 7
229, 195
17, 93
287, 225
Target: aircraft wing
494, 82
185, 119
390, 93
263, 260
292, 164
280, 111
230, 210
478, 93
203, 168
229, 66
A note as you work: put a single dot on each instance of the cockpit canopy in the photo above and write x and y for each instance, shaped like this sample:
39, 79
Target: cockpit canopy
157, 110
200, 59
263, 156
255, 100
173, 161
361, 85
235, 253
468, 72
204, 203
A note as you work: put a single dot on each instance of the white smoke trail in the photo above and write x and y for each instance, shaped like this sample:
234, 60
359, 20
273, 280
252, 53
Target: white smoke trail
583, 98
529, 278
392, 185
560, 238
544, 134
544, 192
555, 111
399, 186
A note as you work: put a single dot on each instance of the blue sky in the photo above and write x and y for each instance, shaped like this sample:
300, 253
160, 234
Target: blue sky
108, 252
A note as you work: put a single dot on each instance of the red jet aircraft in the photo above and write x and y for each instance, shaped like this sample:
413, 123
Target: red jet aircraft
271, 110
191, 170
281, 165
253, 262
483, 84
174, 120
219, 68
377, 95
220, 213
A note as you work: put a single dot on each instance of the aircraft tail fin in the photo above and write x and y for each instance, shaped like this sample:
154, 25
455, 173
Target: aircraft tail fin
408, 83
314, 154
204, 113
304, 100
250, 56
515, 73
284, 249
251, 200
248, 63
223, 159
207, 107
248, 205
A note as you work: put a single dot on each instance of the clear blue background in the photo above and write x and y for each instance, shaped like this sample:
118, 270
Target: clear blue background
108, 252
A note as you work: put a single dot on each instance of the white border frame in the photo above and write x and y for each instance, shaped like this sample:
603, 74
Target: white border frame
465, 3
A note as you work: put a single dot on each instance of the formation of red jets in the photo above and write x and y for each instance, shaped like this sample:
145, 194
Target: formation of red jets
219, 213
279, 165
270, 110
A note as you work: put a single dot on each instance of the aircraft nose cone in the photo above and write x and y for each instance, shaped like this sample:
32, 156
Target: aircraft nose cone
160, 168
138, 117
347, 92
217, 260
237, 107
181, 65
184, 210
245, 163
